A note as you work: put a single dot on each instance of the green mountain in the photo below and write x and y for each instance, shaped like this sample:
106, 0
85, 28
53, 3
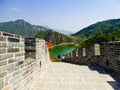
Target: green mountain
26, 29
20, 27
54, 37
105, 27
104, 31
100, 38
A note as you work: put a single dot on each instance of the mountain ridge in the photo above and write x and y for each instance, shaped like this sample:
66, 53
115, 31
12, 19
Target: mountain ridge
25, 29
20, 27
106, 26
54, 37
10, 27
104, 31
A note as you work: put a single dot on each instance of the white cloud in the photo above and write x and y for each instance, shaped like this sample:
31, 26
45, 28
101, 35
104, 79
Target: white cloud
14, 9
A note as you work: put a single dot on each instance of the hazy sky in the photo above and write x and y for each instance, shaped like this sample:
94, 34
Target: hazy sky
71, 15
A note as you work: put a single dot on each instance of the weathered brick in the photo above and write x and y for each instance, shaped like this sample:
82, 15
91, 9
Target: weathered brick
18, 59
16, 62
19, 45
3, 68
2, 44
2, 38
22, 44
8, 77
19, 54
5, 84
10, 68
4, 62
10, 50
22, 49
5, 56
16, 67
2, 50
11, 60
3, 74
1, 83
10, 45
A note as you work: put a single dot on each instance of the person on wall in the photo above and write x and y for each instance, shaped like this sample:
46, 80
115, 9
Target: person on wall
63, 57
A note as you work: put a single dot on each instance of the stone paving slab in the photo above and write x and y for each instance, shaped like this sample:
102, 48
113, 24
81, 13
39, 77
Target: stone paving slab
65, 76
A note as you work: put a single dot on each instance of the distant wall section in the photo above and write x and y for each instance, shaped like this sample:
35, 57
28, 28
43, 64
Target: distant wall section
106, 55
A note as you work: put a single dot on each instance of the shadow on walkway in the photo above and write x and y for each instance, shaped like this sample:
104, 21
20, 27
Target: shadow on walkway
114, 85
115, 76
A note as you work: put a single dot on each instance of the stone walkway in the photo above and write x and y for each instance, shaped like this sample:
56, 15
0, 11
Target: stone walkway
65, 76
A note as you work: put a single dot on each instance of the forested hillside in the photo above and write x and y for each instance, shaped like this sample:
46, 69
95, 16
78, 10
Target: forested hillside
104, 31
107, 26
54, 37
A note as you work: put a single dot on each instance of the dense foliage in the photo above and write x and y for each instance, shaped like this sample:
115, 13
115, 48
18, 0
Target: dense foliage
107, 26
100, 38
104, 31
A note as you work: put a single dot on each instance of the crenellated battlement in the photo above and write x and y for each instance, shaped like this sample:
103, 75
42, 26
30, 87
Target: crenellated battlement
106, 55
20, 60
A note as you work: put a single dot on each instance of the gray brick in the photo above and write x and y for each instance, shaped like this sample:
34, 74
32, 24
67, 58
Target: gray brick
3, 74
2, 44
11, 60
10, 50
10, 68
19, 54
4, 62
3, 50
1, 83
8, 77
10, 45
5, 56
3, 68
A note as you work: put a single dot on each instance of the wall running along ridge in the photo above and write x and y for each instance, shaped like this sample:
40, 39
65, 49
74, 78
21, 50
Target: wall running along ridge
106, 55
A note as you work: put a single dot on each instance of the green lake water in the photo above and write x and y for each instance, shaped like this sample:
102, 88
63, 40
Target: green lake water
61, 50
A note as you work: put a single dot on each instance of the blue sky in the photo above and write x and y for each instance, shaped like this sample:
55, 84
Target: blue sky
71, 15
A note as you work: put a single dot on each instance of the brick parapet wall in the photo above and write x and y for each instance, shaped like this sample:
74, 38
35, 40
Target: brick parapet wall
110, 53
16, 72
106, 55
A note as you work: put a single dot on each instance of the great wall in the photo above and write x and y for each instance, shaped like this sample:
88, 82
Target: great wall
20, 60
23, 59
106, 55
